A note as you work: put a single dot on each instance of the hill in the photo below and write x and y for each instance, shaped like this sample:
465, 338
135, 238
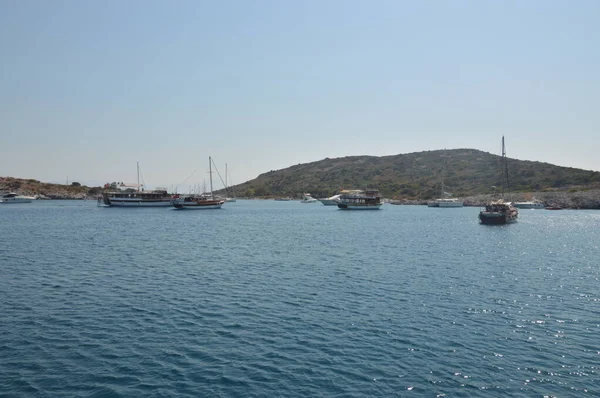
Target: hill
45, 190
417, 175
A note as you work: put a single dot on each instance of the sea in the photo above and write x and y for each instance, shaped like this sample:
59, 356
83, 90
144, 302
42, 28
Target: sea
284, 299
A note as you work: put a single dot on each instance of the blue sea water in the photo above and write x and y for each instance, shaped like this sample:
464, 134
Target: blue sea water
265, 298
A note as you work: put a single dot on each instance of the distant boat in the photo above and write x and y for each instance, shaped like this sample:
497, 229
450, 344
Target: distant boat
445, 200
306, 198
500, 212
199, 202
532, 204
12, 197
369, 199
553, 207
231, 198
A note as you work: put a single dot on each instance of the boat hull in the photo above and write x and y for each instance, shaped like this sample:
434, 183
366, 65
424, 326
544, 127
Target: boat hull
16, 200
487, 218
328, 202
138, 203
345, 206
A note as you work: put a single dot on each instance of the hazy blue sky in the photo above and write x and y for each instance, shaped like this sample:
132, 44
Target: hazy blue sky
87, 88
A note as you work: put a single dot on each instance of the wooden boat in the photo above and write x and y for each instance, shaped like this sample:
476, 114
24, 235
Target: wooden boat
199, 202
369, 199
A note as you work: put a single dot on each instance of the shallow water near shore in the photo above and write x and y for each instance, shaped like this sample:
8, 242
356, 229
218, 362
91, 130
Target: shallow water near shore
265, 298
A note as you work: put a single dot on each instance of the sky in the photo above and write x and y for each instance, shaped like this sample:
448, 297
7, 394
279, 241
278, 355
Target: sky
89, 88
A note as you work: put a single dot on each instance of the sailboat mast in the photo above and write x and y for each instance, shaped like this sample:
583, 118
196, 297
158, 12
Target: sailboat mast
505, 165
210, 176
138, 176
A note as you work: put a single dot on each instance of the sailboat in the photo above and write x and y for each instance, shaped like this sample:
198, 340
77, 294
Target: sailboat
232, 198
444, 199
500, 212
197, 202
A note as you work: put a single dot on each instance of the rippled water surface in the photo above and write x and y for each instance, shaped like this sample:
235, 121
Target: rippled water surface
265, 298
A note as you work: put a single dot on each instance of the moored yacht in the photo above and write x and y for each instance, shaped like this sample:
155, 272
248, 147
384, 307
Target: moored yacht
533, 204
307, 198
330, 201
446, 202
12, 197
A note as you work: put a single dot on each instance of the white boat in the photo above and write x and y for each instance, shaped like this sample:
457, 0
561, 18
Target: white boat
532, 204
12, 197
446, 202
199, 202
369, 199
330, 201
306, 198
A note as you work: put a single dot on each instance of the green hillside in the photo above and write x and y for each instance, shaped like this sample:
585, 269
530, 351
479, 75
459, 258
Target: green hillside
418, 176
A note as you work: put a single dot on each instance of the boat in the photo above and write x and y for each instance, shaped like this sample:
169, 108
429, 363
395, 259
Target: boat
306, 198
134, 195
199, 202
128, 198
445, 200
553, 207
369, 199
196, 202
500, 212
330, 201
12, 197
231, 198
532, 204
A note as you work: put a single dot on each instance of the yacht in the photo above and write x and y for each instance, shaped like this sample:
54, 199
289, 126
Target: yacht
12, 197
306, 198
330, 201
446, 202
533, 204
199, 202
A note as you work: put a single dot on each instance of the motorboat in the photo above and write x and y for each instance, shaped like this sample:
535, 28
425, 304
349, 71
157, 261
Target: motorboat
307, 198
12, 197
532, 204
330, 201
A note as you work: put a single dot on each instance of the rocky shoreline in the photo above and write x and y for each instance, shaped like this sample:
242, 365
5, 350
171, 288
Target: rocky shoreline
589, 199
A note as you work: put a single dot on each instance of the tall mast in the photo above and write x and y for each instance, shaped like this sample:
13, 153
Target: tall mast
210, 176
504, 160
138, 176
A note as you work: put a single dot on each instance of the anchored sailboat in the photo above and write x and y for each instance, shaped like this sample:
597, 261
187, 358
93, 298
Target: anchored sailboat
198, 202
500, 212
